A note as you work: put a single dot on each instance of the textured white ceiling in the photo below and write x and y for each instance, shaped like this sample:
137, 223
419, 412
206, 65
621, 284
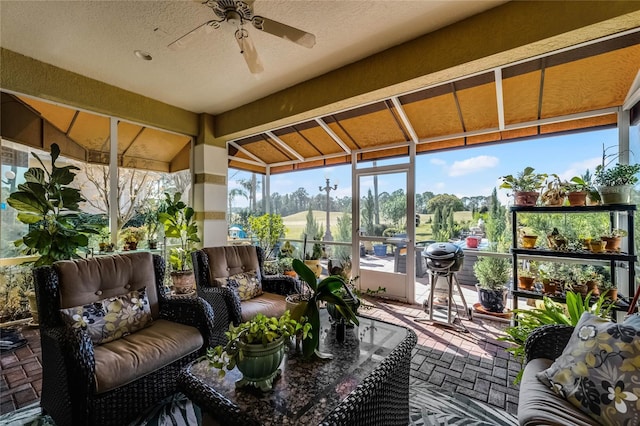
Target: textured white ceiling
97, 39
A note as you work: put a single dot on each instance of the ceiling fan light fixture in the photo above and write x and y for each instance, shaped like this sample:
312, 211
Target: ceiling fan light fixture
143, 55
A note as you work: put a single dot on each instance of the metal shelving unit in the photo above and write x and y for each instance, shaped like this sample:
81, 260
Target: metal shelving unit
628, 257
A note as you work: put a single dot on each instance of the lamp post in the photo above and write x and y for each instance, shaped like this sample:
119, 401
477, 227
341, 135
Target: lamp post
328, 188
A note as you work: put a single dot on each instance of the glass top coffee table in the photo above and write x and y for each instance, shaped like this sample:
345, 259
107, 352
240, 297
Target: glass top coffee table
366, 382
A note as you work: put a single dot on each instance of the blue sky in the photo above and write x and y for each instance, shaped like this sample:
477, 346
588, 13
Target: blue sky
464, 172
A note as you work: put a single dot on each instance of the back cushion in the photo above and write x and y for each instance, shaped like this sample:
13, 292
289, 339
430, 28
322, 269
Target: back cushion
86, 281
226, 261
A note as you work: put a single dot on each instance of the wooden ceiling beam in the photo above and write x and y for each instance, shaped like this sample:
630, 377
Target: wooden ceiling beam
284, 146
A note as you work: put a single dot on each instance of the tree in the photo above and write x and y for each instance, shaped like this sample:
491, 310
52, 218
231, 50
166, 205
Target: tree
268, 229
445, 200
235, 192
251, 186
367, 213
300, 197
394, 208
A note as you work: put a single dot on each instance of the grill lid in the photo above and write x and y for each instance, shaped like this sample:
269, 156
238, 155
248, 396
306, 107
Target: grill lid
443, 251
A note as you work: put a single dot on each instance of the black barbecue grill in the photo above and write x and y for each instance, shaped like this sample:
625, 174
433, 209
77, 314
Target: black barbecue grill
444, 257
443, 261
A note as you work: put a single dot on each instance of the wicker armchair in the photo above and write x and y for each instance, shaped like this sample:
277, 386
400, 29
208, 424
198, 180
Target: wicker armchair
213, 265
111, 383
537, 404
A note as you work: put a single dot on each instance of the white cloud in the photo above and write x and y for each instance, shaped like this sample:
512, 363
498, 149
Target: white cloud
578, 168
473, 165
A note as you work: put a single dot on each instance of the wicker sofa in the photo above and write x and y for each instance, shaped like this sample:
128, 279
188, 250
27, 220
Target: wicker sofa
112, 381
539, 405
212, 267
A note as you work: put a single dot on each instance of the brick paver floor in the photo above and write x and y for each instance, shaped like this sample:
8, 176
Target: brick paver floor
473, 363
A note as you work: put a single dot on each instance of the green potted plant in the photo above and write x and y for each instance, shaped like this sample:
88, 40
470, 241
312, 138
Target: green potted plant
613, 239
577, 191
51, 208
608, 290
525, 186
615, 183
179, 223
493, 274
526, 278
312, 258
152, 224
256, 347
132, 236
323, 290
555, 191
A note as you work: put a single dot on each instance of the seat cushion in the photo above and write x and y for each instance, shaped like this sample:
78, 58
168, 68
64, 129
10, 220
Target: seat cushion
124, 360
268, 304
539, 405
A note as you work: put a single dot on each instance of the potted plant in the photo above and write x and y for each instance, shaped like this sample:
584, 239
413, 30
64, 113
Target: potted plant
323, 290
105, 245
349, 294
152, 225
179, 223
577, 191
608, 290
285, 265
256, 347
526, 279
613, 239
555, 191
312, 259
525, 186
492, 274
132, 236
615, 183
556, 240
51, 208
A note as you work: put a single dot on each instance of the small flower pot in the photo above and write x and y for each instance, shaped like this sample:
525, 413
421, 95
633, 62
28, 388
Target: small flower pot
612, 243
525, 198
593, 288
611, 293
526, 283
615, 194
577, 198
549, 287
597, 246
529, 241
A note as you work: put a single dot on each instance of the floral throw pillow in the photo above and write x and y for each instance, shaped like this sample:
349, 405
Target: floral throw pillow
111, 318
246, 284
599, 370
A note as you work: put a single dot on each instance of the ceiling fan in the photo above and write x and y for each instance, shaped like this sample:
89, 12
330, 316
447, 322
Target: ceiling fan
238, 13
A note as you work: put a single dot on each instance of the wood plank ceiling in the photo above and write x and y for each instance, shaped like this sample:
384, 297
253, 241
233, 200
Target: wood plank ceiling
567, 91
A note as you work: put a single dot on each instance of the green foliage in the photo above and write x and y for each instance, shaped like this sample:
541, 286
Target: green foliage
367, 213
443, 201
551, 313
496, 223
51, 208
394, 208
268, 229
314, 232
324, 290
524, 181
492, 272
343, 234
260, 330
620, 174
179, 223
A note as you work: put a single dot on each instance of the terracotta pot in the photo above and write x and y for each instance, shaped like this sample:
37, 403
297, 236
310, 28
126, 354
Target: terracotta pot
315, 266
525, 198
529, 241
550, 287
291, 273
577, 198
612, 243
526, 283
581, 288
593, 288
611, 294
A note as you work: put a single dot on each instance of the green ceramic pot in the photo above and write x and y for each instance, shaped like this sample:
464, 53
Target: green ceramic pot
259, 364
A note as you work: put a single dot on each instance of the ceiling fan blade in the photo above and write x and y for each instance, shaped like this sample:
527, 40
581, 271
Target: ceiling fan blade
284, 31
249, 52
193, 35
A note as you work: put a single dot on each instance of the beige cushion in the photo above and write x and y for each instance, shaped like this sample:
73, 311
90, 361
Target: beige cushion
599, 370
145, 351
538, 405
268, 304
112, 318
85, 281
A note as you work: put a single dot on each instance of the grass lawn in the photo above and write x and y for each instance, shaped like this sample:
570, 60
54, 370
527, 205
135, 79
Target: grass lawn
295, 223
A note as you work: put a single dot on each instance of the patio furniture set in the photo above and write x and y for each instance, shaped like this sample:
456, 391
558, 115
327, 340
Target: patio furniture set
115, 343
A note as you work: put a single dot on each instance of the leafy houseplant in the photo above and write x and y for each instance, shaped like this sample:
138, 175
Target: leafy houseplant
257, 348
550, 313
50, 206
492, 274
179, 223
132, 236
555, 191
525, 186
577, 191
615, 183
324, 290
